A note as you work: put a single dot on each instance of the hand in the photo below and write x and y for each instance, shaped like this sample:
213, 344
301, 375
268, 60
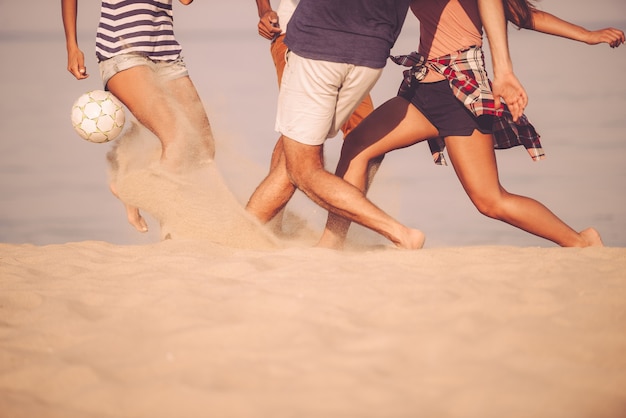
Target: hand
508, 88
613, 37
76, 64
268, 25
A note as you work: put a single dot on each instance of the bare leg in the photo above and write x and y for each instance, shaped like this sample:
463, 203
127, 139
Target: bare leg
474, 161
160, 107
132, 213
306, 170
198, 137
277, 162
277, 188
395, 124
271, 196
173, 111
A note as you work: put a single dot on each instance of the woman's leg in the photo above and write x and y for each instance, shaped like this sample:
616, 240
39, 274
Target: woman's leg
148, 99
474, 161
132, 213
173, 111
395, 124
199, 139
306, 169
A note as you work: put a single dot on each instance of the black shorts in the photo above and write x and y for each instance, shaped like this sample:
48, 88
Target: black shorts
444, 111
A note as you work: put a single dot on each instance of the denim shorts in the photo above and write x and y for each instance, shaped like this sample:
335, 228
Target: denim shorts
167, 70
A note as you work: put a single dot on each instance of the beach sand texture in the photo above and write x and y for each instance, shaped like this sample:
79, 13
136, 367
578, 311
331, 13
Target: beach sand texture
225, 320
191, 329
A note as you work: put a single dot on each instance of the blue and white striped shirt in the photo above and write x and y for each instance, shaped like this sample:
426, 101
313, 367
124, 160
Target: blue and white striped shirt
143, 27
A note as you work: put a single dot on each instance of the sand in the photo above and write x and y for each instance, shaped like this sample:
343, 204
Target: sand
222, 321
192, 202
188, 328
222, 318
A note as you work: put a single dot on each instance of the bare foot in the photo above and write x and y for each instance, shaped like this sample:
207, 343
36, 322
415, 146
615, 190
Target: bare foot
592, 237
330, 241
414, 240
132, 214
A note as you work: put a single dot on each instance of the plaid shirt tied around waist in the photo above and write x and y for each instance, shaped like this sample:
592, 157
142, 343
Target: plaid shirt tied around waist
465, 71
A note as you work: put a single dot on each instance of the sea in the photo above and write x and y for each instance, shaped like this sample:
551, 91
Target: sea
54, 185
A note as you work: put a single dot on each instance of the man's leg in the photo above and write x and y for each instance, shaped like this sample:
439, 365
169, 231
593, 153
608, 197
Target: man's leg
305, 168
395, 124
274, 191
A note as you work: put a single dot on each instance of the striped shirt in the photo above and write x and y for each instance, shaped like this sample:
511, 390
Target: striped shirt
143, 27
465, 71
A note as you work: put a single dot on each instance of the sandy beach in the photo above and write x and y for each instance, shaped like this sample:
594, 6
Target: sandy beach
226, 320
193, 329
221, 317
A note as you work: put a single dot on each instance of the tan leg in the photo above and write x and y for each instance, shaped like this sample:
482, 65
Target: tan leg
271, 196
306, 170
199, 136
155, 106
474, 161
395, 124
174, 112
132, 213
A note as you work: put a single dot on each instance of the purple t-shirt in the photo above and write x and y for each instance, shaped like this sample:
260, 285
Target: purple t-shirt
359, 32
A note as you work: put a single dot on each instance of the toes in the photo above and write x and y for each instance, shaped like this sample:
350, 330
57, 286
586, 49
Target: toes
135, 219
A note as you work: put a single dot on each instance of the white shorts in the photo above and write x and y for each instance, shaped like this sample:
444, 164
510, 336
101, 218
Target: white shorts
317, 97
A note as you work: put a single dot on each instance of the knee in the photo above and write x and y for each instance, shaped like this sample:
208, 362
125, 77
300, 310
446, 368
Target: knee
302, 177
355, 159
491, 206
350, 151
279, 173
303, 163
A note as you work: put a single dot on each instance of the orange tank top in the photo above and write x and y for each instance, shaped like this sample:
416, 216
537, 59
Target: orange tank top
447, 26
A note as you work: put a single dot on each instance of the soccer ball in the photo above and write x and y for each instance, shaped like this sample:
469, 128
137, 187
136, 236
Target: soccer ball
98, 116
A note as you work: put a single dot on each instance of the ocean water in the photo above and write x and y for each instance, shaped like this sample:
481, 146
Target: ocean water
53, 185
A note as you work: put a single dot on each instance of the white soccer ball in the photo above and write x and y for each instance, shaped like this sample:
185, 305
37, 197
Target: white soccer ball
98, 116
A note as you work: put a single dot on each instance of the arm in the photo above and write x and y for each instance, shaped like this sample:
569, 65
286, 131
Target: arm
506, 86
552, 25
75, 57
268, 20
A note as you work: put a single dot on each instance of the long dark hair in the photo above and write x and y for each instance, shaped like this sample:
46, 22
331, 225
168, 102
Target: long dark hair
519, 12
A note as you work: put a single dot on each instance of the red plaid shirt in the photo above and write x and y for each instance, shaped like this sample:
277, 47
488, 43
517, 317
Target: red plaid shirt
465, 71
